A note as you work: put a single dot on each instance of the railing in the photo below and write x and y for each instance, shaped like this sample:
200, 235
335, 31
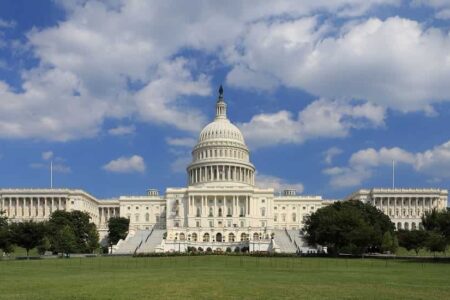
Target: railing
296, 245
287, 233
135, 250
151, 231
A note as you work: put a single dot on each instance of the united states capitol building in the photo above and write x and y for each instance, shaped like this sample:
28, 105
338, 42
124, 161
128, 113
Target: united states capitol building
220, 209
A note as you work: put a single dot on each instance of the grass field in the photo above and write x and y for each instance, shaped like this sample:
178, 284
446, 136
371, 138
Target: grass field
222, 277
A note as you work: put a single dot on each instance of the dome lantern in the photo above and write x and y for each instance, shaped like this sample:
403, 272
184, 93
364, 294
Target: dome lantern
221, 106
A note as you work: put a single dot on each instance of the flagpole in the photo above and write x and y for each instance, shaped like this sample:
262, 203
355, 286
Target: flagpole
51, 174
393, 174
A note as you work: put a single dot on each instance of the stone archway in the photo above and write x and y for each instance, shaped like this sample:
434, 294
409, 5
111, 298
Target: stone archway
219, 237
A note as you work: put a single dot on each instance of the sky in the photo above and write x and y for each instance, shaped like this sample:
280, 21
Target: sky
327, 93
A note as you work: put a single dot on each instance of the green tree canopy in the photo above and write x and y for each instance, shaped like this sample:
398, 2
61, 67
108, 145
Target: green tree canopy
389, 242
28, 234
64, 240
347, 226
438, 221
412, 240
85, 232
117, 229
436, 242
5, 234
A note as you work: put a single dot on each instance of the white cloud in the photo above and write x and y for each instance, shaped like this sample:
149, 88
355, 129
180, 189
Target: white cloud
88, 61
181, 142
278, 184
320, 119
374, 60
47, 155
157, 102
434, 162
330, 154
57, 167
7, 24
122, 130
58, 163
180, 148
180, 163
124, 164
442, 7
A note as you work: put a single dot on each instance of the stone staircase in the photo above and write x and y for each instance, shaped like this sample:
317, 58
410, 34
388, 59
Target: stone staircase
284, 242
131, 242
301, 245
153, 240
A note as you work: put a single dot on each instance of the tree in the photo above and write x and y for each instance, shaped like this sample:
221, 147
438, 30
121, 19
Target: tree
86, 235
412, 240
438, 221
389, 242
5, 234
117, 229
65, 240
347, 226
28, 234
44, 246
436, 242
92, 238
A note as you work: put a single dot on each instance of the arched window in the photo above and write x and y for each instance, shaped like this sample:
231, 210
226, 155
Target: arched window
206, 237
231, 237
147, 217
413, 226
399, 226
220, 212
194, 237
294, 217
255, 236
229, 211
210, 211
219, 237
243, 237
198, 211
263, 211
406, 226
182, 237
275, 218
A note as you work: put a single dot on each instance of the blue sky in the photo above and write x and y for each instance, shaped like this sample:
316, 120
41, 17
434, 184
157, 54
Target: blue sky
327, 93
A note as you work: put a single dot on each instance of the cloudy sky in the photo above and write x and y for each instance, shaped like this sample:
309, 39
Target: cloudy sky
326, 92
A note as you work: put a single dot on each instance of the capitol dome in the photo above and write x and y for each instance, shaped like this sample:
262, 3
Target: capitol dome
221, 155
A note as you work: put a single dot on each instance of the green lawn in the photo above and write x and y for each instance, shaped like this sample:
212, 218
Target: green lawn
222, 277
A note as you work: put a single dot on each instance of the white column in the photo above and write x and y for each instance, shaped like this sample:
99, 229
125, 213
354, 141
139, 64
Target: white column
215, 206
204, 208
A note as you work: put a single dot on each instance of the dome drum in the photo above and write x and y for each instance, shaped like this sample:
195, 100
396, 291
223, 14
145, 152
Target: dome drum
205, 174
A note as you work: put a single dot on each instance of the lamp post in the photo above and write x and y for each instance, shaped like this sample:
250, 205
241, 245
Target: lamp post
248, 238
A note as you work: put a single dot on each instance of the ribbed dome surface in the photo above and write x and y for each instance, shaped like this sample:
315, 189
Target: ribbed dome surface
221, 129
